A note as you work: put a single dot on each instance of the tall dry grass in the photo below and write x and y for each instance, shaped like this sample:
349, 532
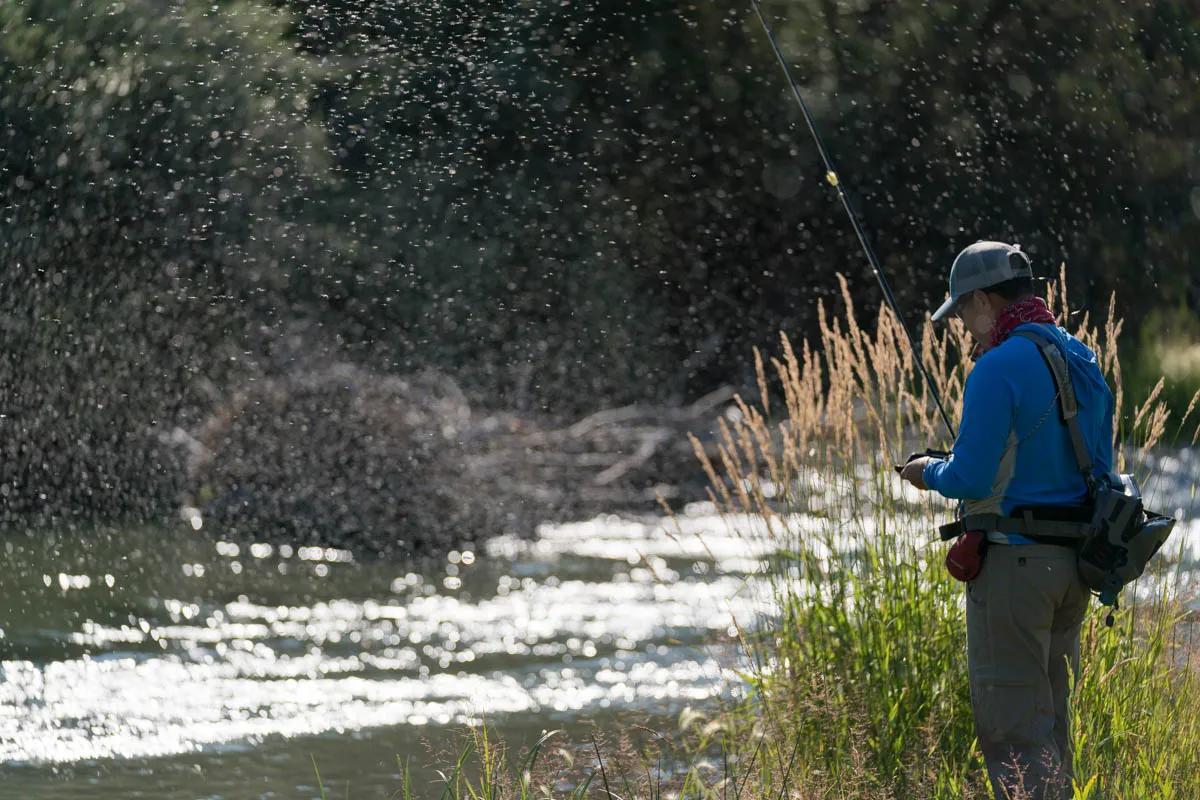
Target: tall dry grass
857, 682
860, 681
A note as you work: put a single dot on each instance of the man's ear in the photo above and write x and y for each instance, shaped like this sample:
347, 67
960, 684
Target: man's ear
992, 301
983, 297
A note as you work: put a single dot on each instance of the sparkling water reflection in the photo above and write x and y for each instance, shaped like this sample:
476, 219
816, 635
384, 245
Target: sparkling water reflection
172, 643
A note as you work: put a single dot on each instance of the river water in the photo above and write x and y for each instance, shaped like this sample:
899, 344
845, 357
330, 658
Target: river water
169, 663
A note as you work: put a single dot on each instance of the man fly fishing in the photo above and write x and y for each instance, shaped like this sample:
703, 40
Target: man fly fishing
1014, 458
1036, 484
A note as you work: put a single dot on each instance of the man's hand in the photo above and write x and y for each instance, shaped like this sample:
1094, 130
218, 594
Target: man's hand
914, 472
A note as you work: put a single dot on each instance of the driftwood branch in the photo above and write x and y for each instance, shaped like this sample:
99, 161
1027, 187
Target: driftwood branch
616, 457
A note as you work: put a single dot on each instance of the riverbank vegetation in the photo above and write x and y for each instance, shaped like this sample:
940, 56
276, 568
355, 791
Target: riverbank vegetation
561, 207
860, 683
857, 682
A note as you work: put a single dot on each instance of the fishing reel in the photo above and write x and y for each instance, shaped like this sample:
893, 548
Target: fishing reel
928, 452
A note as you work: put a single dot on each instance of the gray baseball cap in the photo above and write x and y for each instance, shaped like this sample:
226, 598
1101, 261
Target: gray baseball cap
981, 265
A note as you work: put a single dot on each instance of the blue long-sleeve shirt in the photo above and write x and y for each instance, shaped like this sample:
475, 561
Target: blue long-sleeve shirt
1010, 403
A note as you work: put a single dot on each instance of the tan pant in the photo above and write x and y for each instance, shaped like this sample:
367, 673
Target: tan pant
1024, 612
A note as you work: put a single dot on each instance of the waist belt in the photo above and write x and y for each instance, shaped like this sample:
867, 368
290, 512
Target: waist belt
1048, 531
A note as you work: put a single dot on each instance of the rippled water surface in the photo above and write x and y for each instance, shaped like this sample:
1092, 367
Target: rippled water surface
173, 664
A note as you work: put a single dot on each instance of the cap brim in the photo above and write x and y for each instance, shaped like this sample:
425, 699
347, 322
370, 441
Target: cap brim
945, 309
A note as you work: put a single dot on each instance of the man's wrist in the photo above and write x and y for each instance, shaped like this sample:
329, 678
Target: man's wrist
927, 474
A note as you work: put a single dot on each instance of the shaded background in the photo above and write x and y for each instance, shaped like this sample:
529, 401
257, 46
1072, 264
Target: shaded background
562, 206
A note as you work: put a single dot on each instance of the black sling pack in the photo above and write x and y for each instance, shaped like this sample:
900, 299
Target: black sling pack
1123, 535
1120, 536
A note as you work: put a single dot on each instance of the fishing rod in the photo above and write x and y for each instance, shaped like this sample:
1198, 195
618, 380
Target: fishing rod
832, 177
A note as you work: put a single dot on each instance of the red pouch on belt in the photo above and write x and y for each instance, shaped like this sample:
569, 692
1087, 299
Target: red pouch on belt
965, 558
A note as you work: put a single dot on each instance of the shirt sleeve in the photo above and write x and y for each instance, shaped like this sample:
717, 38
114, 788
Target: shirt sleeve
988, 412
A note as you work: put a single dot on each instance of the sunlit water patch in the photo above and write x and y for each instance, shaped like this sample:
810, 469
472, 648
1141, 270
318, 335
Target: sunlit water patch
172, 643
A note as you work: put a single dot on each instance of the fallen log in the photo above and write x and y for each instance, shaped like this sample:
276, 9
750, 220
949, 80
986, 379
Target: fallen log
342, 456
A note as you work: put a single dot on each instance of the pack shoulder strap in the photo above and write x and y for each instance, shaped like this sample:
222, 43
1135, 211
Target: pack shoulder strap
1068, 407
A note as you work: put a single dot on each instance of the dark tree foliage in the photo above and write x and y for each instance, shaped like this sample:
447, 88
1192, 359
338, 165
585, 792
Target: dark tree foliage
637, 172
146, 167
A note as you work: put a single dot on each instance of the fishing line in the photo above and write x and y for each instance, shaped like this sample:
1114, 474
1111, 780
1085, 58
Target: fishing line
831, 177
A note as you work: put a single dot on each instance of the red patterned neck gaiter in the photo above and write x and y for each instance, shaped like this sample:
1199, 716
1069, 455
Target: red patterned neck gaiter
1032, 309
